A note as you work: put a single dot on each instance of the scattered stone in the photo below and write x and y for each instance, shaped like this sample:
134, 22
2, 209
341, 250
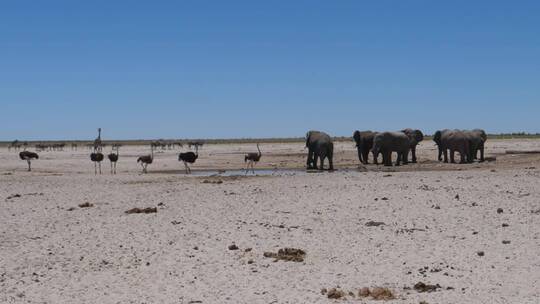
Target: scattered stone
500, 210
86, 205
233, 247
384, 198
324, 291
423, 287
176, 222
144, 210
480, 253
382, 293
70, 208
506, 242
247, 250
457, 197
374, 224
208, 181
287, 254
364, 292
426, 188
250, 262
335, 294
505, 225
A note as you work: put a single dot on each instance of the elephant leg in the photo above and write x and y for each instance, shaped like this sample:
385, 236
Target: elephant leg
365, 156
440, 154
399, 158
315, 156
331, 163
375, 158
413, 153
452, 153
322, 162
310, 159
405, 158
445, 152
387, 159
464, 157
360, 155
482, 153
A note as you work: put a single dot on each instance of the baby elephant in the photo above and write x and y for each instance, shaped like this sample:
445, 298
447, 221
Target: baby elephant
388, 142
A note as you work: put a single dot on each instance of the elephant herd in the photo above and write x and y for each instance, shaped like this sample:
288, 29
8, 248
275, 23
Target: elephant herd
466, 142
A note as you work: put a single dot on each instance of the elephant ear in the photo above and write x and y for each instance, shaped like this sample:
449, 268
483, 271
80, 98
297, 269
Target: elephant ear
437, 136
419, 136
356, 136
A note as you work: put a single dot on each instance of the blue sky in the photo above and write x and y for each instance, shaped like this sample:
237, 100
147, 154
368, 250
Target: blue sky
222, 69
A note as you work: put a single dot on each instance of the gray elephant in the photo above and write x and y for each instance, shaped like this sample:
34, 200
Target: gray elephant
388, 142
364, 144
477, 139
453, 140
415, 137
319, 145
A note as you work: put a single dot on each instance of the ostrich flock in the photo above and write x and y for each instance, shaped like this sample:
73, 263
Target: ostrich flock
97, 156
466, 142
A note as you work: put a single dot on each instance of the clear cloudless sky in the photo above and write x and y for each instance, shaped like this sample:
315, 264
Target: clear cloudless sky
223, 69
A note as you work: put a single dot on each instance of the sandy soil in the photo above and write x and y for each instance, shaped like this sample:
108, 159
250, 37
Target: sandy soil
436, 219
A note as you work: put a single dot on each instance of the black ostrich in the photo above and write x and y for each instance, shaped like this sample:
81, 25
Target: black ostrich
146, 159
28, 156
97, 158
252, 158
113, 157
189, 157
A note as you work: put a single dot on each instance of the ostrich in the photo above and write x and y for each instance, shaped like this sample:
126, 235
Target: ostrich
252, 158
97, 158
189, 157
28, 156
146, 159
97, 141
113, 157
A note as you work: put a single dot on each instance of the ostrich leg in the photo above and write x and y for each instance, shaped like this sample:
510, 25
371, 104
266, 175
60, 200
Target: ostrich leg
29, 165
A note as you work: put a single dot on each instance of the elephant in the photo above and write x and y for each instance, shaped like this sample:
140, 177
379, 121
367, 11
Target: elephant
388, 142
453, 140
319, 145
364, 144
478, 138
415, 137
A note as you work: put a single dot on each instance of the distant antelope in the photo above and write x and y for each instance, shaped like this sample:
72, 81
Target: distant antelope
28, 156
253, 158
146, 159
113, 157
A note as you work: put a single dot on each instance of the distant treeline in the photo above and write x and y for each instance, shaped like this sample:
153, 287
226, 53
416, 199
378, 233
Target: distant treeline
235, 140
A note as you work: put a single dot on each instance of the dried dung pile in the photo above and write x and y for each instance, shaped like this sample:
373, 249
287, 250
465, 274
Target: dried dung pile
144, 210
287, 254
